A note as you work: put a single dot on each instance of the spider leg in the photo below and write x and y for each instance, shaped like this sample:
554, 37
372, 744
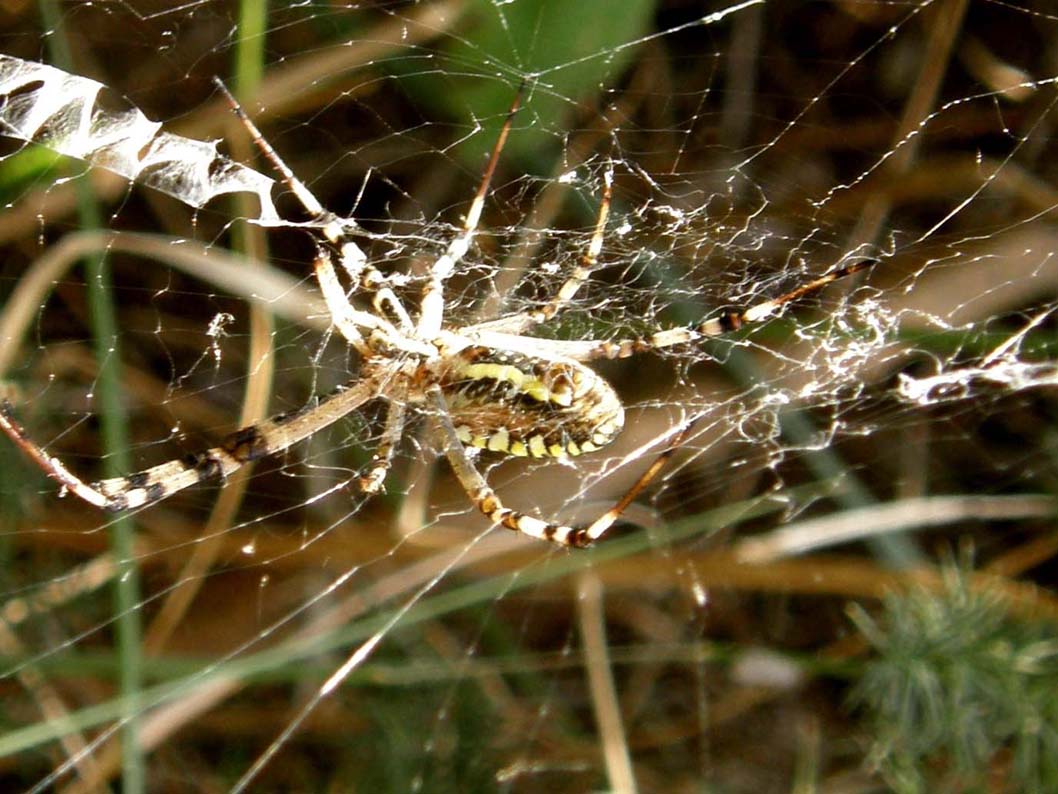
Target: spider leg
344, 317
383, 458
481, 493
496, 334
158, 482
349, 320
385, 299
602, 524
519, 323
486, 500
431, 315
304, 196
352, 257
583, 269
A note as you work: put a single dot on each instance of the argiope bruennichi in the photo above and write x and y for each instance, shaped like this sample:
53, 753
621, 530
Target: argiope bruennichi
489, 386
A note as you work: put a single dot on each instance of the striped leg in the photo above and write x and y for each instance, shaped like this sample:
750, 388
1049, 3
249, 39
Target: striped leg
349, 321
383, 458
503, 334
158, 482
486, 500
482, 495
588, 260
352, 257
715, 326
519, 323
431, 315
343, 316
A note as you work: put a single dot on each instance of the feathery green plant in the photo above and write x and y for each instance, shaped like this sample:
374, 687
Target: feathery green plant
961, 692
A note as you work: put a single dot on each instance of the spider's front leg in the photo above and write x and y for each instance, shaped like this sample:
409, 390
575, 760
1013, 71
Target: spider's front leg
520, 323
349, 321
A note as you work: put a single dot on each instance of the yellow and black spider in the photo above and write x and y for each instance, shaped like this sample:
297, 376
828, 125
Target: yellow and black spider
488, 385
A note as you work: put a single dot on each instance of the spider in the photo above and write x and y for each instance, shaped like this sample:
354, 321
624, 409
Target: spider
489, 385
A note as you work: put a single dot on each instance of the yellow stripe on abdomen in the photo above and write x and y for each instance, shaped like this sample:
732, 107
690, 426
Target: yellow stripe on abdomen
520, 405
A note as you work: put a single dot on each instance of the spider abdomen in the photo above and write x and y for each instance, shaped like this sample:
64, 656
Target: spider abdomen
516, 404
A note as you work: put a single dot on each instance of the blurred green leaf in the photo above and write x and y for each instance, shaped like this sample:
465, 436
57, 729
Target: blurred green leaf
568, 53
32, 165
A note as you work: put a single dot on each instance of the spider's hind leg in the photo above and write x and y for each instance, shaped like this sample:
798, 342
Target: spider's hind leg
486, 500
481, 493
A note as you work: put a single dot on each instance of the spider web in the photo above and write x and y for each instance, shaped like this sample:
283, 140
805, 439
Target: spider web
288, 632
